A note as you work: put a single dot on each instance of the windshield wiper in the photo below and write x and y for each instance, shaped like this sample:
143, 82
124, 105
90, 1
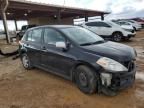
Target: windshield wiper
92, 43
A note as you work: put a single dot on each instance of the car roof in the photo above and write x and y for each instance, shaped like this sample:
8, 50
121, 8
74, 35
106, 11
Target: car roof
106, 21
54, 26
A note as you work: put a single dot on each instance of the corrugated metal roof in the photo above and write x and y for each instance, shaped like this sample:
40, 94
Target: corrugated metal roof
58, 6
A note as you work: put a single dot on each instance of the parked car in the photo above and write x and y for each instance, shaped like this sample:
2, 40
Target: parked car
135, 25
23, 30
140, 21
125, 25
81, 56
108, 29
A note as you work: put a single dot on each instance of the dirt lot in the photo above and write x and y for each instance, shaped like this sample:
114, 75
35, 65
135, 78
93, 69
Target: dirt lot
20, 88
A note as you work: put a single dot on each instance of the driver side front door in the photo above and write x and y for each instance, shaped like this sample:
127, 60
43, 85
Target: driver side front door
53, 58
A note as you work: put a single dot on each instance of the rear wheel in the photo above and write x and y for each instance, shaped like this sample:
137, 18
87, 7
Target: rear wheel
26, 62
117, 36
86, 79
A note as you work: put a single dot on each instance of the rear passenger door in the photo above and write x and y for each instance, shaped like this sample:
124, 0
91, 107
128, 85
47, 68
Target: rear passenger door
104, 29
93, 26
33, 45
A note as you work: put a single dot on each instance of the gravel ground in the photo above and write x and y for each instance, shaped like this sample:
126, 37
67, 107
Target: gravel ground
35, 88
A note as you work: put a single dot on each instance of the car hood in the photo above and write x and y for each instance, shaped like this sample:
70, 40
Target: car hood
116, 51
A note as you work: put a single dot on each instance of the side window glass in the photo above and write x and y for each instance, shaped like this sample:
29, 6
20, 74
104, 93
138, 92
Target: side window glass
36, 35
104, 24
88, 24
91, 24
29, 36
52, 36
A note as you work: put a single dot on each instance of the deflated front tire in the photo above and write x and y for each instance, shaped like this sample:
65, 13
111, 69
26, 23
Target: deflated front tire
86, 79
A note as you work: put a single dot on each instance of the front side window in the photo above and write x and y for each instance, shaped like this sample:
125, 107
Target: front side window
94, 24
91, 24
103, 24
35, 35
52, 36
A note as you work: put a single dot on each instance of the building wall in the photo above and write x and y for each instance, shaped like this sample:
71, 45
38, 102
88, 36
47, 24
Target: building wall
45, 21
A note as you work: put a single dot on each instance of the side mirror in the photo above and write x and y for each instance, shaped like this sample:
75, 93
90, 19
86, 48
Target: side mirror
61, 45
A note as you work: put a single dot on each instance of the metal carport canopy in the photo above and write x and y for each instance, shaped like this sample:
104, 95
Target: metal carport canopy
24, 10
17, 9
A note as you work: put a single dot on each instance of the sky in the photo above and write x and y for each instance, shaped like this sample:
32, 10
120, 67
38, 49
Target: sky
118, 8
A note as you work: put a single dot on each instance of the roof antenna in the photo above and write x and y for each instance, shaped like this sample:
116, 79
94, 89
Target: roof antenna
64, 3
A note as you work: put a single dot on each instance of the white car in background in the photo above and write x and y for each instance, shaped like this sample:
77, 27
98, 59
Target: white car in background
108, 29
135, 24
125, 25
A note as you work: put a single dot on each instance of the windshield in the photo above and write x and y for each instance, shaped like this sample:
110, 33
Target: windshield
82, 36
131, 21
124, 23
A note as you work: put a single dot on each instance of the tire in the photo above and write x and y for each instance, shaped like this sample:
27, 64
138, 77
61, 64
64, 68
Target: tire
86, 79
26, 62
117, 36
135, 29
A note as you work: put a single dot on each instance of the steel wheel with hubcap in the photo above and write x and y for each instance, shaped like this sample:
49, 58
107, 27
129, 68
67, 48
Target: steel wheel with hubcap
86, 79
26, 62
117, 37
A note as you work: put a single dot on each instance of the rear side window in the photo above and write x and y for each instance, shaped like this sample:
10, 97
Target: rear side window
91, 24
35, 35
52, 36
97, 24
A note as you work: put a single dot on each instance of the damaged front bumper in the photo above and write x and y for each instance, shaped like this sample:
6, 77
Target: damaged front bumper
113, 82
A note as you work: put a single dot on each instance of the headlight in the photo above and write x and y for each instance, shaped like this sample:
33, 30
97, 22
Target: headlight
111, 65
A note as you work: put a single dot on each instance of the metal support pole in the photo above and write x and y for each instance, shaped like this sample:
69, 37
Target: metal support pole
4, 6
86, 17
6, 27
59, 16
102, 17
16, 27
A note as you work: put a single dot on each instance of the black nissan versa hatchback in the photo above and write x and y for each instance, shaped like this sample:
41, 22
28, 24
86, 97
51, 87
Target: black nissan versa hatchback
77, 54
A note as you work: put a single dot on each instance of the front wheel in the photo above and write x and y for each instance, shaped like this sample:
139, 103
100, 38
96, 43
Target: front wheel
86, 79
26, 61
117, 37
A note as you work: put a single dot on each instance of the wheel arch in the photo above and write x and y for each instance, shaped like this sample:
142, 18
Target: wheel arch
117, 32
79, 63
22, 51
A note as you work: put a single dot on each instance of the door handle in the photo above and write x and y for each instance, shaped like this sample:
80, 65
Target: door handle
27, 44
43, 48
